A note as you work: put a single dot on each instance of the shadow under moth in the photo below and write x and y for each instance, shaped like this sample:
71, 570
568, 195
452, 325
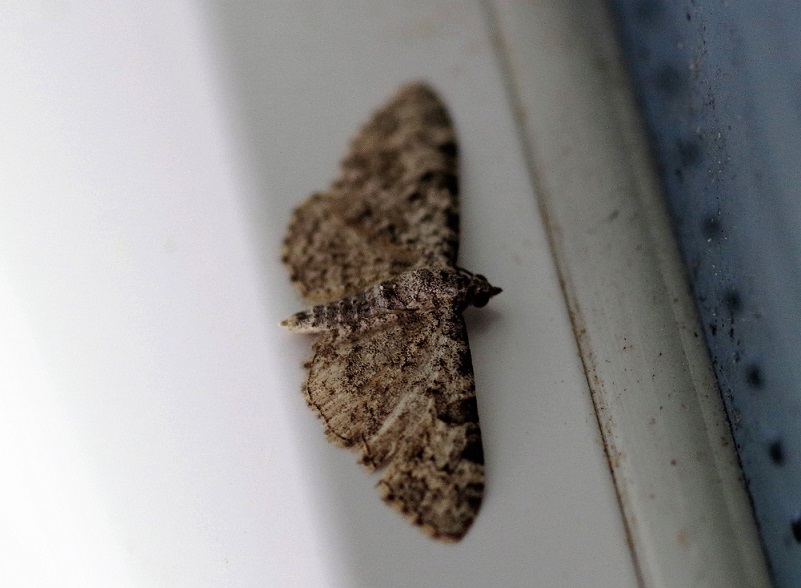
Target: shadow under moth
391, 375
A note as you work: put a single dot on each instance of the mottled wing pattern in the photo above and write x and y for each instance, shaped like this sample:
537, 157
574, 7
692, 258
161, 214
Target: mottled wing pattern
394, 206
402, 393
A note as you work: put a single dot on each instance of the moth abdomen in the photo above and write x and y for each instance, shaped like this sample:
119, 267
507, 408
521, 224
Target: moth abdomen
344, 314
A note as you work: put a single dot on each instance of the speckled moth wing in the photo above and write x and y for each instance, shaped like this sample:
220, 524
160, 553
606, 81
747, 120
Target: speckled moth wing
401, 392
394, 206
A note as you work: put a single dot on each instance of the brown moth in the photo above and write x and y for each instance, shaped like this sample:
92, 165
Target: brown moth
391, 375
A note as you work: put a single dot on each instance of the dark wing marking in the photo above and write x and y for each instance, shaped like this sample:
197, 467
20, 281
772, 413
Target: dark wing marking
394, 206
402, 393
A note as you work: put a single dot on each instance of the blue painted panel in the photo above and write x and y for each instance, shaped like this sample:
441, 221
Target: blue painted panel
720, 88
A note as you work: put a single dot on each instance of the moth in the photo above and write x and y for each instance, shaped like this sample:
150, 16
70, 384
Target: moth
391, 374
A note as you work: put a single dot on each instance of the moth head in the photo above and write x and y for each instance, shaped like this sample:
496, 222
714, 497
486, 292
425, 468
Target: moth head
482, 291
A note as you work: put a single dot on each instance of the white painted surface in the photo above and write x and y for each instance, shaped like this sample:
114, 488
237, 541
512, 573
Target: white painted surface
660, 410
152, 432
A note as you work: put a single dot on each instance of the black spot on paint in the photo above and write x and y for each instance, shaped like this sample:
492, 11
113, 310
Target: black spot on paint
795, 526
776, 452
753, 376
733, 302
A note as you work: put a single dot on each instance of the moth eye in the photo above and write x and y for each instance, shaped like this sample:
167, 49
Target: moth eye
480, 299
450, 149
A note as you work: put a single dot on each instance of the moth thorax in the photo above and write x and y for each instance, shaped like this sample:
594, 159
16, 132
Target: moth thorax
426, 288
